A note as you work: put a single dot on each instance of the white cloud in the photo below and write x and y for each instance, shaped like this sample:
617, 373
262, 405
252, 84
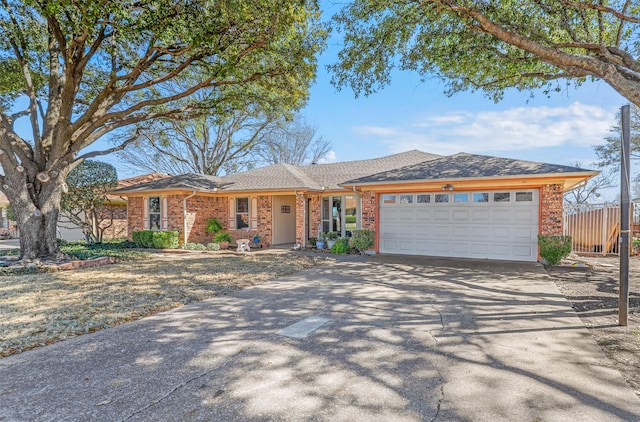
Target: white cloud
329, 158
489, 132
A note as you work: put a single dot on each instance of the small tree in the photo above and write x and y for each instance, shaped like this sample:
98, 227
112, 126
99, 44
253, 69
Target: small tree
86, 200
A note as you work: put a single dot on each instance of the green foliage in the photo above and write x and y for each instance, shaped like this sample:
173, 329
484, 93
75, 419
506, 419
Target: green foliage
609, 152
194, 246
222, 237
554, 248
88, 185
332, 235
350, 219
167, 239
143, 238
341, 246
213, 246
119, 249
363, 239
484, 45
312, 241
213, 226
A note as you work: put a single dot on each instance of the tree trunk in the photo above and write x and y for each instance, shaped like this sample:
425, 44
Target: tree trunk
37, 218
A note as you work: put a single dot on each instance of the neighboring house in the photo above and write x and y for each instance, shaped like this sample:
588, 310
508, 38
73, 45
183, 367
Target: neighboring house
462, 205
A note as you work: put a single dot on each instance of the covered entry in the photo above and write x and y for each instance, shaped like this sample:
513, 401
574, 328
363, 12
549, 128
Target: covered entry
483, 224
284, 219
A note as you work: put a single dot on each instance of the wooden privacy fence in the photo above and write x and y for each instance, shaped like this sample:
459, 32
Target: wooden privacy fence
595, 228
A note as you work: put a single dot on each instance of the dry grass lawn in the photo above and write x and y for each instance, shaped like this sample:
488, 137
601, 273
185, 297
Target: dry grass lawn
39, 309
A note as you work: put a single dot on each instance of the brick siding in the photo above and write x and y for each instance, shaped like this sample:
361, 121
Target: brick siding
551, 197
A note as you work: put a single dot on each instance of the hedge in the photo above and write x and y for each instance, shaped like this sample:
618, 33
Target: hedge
156, 239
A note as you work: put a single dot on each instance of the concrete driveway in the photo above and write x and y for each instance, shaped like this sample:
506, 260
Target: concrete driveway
396, 339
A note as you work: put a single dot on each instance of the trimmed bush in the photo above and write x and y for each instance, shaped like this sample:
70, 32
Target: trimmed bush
222, 237
350, 219
554, 248
155, 239
213, 246
165, 239
143, 238
194, 246
363, 239
313, 241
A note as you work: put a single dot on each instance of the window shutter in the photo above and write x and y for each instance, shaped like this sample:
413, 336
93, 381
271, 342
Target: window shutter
232, 213
164, 212
253, 212
145, 214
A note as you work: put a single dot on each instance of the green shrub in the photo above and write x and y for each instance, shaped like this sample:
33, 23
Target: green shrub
341, 246
213, 246
313, 241
363, 239
350, 219
155, 239
222, 237
165, 239
554, 248
143, 238
214, 226
194, 246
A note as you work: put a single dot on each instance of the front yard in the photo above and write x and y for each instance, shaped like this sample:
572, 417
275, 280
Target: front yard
39, 309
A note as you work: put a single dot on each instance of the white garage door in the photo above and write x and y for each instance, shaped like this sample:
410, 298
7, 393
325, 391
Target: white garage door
491, 224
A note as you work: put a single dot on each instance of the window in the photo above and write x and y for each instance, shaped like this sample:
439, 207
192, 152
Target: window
501, 197
406, 199
388, 199
242, 213
480, 197
524, 196
441, 198
154, 213
424, 199
460, 197
285, 209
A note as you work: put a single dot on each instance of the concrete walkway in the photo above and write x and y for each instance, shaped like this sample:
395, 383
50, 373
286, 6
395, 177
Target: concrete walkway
399, 339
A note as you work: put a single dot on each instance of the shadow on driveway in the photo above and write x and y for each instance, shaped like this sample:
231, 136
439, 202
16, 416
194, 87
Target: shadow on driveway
407, 339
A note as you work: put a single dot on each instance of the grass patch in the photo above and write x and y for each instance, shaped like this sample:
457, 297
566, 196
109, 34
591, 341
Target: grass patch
39, 309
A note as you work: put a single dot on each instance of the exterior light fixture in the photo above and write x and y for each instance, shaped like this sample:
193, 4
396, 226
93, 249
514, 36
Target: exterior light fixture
447, 187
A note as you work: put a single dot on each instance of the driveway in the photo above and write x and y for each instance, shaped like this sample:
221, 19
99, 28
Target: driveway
391, 339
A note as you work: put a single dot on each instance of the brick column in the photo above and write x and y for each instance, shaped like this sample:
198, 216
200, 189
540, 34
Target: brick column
301, 236
369, 210
551, 198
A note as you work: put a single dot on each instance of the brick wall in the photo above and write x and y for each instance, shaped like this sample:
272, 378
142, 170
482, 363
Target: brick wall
114, 218
369, 208
199, 210
551, 210
316, 214
135, 217
301, 237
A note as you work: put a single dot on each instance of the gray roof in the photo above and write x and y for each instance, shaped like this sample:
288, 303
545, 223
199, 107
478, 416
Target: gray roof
285, 176
465, 166
190, 182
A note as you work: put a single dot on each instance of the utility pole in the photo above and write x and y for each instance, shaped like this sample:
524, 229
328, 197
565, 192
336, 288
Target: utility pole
623, 302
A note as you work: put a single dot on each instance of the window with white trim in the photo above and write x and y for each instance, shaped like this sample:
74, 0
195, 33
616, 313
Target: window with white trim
242, 213
154, 213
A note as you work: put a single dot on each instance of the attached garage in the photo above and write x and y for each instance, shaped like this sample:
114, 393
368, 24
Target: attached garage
478, 224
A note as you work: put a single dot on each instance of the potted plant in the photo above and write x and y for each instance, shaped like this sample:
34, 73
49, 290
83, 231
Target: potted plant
214, 226
223, 239
320, 240
363, 241
331, 239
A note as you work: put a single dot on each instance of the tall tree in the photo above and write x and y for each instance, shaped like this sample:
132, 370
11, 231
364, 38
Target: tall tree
491, 45
609, 152
209, 145
88, 69
293, 142
86, 202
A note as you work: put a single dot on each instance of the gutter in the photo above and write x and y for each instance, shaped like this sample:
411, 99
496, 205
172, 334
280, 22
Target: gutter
184, 216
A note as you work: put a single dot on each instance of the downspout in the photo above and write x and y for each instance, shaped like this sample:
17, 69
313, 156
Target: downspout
184, 216
304, 218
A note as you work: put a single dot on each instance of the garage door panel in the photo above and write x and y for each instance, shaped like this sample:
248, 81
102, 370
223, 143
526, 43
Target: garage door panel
504, 230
